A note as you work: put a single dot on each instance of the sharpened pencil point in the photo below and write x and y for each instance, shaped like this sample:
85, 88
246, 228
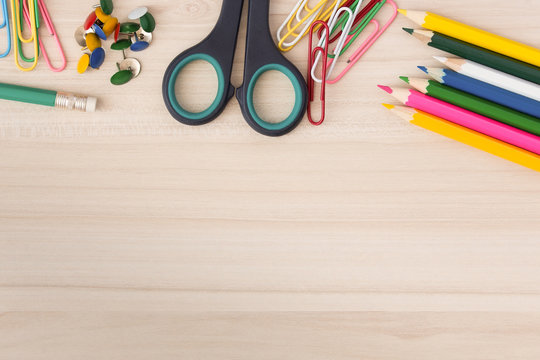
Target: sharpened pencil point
388, 89
409, 30
423, 68
388, 106
402, 12
441, 59
405, 78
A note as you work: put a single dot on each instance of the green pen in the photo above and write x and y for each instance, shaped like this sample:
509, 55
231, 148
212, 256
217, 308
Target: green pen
47, 98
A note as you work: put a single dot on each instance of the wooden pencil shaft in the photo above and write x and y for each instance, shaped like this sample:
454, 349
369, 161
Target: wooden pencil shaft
484, 107
467, 136
493, 77
486, 57
492, 93
477, 140
477, 37
473, 121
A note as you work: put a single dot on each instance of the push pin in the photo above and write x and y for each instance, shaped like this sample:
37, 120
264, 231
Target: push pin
128, 69
133, 35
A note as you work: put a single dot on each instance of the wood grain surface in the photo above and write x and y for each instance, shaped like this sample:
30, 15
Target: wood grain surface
125, 235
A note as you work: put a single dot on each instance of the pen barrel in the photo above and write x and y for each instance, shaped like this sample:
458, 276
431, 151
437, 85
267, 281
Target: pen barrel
27, 95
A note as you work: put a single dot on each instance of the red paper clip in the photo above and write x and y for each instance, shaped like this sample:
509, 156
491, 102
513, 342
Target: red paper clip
311, 82
361, 15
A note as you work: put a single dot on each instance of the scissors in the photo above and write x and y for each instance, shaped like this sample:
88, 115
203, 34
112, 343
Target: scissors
261, 56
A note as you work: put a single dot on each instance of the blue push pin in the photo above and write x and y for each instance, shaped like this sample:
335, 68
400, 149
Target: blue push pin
139, 46
99, 32
97, 58
141, 40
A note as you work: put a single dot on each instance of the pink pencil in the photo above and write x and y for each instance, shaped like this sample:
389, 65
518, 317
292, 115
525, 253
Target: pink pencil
466, 118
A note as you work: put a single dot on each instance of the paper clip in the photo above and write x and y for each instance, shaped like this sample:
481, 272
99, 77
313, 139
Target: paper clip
322, 51
50, 26
321, 11
342, 13
368, 43
365, 11
17, 32
5, 24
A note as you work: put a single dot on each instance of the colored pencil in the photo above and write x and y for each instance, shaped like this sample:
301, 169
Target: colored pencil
466, 118
492, 76
477, 54
476, 104
485, 91
475, 36
467, 136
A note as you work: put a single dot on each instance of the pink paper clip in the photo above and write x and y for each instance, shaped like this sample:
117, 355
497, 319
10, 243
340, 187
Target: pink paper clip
323, 50
48, 22
366, 45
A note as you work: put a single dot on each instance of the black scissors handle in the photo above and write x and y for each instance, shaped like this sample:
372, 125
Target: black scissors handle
218, 49
262, 55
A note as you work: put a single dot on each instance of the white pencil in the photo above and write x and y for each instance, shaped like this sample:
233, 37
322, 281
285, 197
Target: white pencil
492, 76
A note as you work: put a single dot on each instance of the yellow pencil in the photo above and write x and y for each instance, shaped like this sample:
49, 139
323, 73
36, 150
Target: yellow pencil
475, 36
467, 136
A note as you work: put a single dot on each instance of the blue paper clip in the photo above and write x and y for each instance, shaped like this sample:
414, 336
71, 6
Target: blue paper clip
5, 24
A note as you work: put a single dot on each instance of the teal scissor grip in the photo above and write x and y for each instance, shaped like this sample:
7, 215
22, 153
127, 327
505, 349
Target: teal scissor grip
298, 108
172, 87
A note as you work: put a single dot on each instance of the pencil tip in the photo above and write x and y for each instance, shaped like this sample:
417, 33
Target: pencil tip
388, 89
423, 68
405, 78
402, 12
441, 59
409, 30
388, 106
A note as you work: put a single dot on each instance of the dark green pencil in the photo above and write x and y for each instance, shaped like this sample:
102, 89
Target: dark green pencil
476, 104
477, 54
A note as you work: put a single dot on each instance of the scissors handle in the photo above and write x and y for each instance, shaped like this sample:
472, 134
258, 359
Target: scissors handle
218, 49
262, 55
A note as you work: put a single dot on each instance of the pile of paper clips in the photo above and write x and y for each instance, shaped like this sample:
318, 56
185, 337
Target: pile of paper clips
29, 10
334, 21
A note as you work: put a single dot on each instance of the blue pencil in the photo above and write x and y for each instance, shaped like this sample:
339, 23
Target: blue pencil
485, 91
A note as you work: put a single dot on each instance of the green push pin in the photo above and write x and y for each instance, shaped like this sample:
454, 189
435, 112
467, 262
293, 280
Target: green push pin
121, 44
107, 6
122, 76
148, 23
129, 27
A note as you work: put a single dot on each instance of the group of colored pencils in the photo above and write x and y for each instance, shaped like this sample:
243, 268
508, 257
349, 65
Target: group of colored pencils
489, 98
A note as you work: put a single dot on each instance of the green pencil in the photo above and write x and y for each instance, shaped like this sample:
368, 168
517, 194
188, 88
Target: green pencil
477, 54
475, 104
47, 98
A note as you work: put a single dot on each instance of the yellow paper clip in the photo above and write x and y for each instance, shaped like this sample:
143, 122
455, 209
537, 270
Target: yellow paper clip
16, 11
300, 20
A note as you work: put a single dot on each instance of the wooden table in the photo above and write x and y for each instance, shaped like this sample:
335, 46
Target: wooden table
125, 235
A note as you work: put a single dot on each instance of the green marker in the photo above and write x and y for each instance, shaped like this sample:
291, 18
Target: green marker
47, 98
476, 104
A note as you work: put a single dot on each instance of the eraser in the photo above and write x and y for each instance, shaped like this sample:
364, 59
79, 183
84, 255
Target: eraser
91, 104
